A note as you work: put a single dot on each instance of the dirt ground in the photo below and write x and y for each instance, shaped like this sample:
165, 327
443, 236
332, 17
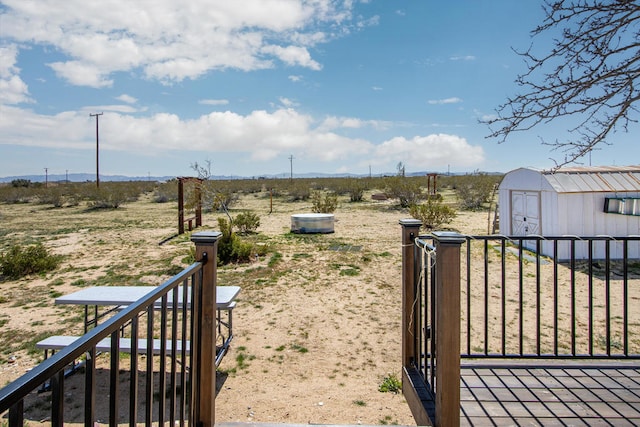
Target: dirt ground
336, 296
315, 335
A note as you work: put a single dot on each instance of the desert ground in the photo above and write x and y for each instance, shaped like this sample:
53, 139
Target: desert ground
335, 295
317, 323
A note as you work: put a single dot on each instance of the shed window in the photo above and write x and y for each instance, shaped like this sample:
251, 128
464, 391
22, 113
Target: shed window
622, 205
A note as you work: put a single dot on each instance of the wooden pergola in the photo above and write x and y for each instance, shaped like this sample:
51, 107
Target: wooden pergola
197, 217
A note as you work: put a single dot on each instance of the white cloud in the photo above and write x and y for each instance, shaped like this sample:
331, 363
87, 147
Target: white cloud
213, 101
295, 79
287, 102
374, 20
453, 100
127, 98
432, 151
376, 88
261, 135
115, 108
81, 74
13, 90
169, 41
293, 55
331, 123
463, 58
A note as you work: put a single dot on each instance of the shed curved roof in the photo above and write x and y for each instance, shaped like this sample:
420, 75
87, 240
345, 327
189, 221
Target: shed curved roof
595, 179
588, 179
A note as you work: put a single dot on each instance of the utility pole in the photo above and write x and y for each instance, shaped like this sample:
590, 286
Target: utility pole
66, 179
291, 161
46, 177
97, 150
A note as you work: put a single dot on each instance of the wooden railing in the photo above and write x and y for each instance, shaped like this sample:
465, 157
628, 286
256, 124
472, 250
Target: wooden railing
182, 392
431, 322
510, 297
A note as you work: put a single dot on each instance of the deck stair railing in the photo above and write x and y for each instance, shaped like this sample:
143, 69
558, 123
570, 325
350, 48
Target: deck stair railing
175, 383
510, 297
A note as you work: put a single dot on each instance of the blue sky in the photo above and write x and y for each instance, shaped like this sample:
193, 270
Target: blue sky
342, 86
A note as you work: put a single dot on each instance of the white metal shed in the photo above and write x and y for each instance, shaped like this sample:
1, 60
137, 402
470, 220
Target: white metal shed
578, 201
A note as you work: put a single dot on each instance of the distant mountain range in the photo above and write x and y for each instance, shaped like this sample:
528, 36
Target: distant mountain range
87, 177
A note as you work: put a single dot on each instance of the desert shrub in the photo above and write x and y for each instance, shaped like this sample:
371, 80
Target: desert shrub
390, 384
106, 198
324, 202
274, 191
433, 213
408, 191
59, 196
51, 196
224, 199
298, 191
19, 261
475, 190
355, 188
166, 192
246, 222
232, 248
26, 183
16, 195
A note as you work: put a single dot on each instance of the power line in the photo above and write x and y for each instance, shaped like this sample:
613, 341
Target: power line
291, 161
97, 150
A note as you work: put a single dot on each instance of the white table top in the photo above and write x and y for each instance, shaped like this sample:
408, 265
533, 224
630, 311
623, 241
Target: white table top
125, 295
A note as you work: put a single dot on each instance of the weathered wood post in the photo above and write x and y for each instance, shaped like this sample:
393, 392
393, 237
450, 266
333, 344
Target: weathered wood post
447, 331
205, 349
199, 203
410, 230
180, 206
413, 387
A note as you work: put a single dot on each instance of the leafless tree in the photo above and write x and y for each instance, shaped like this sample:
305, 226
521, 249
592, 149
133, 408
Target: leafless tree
590, 76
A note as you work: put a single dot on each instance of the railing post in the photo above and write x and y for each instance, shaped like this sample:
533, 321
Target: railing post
413, 386
447, 328
180, 206
410, 230
206, 248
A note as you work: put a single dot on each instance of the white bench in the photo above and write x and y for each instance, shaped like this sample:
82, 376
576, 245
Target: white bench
58, 342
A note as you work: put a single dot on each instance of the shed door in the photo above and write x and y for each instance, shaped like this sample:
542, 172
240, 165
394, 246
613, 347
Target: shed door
525, 213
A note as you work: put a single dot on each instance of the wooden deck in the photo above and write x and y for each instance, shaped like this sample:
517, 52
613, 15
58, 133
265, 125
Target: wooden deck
557, 393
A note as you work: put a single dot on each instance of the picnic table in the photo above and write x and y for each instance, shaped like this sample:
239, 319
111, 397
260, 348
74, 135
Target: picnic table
117, 297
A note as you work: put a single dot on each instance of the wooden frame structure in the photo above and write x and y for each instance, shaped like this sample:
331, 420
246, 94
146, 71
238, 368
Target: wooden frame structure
431, 179
198, 214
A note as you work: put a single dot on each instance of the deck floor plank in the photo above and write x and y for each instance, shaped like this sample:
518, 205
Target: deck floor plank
580, 394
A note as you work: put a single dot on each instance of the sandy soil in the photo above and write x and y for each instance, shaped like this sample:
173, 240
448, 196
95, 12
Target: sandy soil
337, 296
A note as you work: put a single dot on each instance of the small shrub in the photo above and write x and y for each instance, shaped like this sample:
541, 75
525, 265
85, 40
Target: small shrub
19, 261
106, 198
475, 190
166, 192
26, 183
16, 195
246, 222
390, 384
222, 200
298, 191
230, 247
355, 188
326, 203
433, 213
407, 190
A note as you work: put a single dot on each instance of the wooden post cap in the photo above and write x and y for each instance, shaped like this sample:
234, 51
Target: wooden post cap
204, 237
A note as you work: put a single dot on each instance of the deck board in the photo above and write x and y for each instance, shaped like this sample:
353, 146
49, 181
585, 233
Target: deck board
589, 393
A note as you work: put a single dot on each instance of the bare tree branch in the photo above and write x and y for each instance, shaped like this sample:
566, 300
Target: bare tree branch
592, 73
